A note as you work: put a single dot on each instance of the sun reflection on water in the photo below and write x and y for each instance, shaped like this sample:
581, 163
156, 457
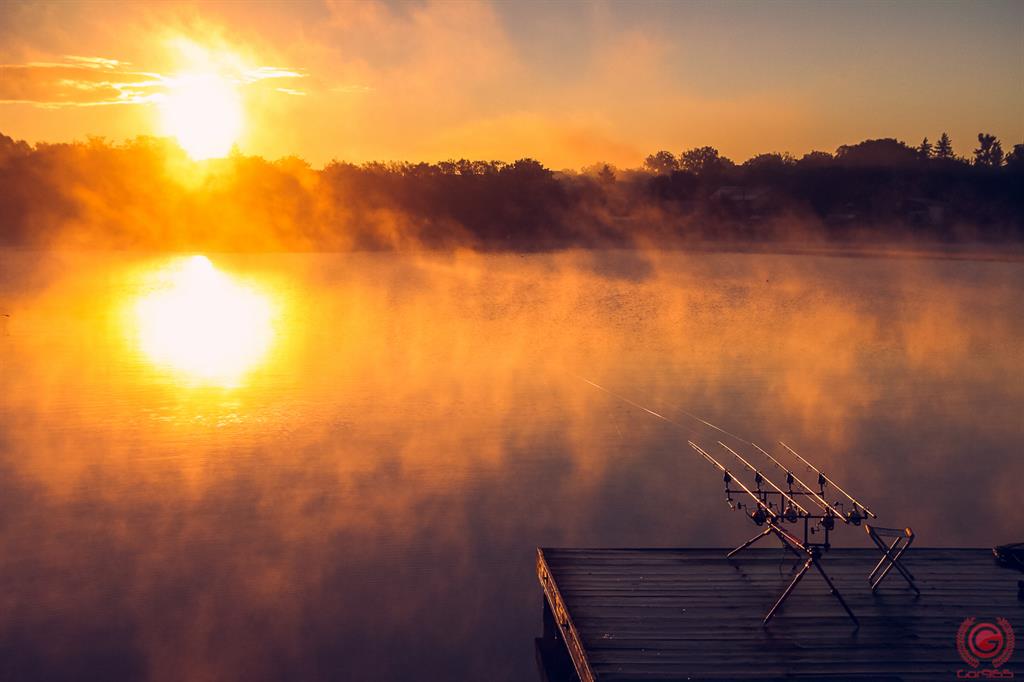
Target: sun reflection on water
202, 323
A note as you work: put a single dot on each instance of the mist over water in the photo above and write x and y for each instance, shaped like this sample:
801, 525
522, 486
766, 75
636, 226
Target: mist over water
365, 500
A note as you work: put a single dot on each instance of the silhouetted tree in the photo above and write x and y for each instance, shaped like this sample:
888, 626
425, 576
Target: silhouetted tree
11, 147
528, 168
924, 150
772, 161
1015, 159
944, 148
703, 160
989, 151
815, 159
661, 163
768, 169
883, 152
123, 196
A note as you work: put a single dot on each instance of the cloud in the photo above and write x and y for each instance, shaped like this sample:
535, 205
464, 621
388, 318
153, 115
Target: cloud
95, 62
267, 72
83, 81
76, 82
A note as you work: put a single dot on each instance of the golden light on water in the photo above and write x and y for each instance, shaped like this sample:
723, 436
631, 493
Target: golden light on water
203, 323
204, 113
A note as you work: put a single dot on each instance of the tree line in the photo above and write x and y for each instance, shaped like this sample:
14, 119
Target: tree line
145, 193
883, 152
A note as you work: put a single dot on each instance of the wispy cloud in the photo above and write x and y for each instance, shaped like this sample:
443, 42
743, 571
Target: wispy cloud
83, 81
95, 62
270, 72
76, 82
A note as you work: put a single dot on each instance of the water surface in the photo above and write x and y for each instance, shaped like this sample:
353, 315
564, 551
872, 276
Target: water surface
361, 499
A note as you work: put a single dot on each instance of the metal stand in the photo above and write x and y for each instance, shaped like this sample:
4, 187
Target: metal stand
891, 553
770, 506
812, 552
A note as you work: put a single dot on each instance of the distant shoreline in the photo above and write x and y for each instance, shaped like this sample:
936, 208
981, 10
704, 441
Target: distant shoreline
877, 197
1008, 252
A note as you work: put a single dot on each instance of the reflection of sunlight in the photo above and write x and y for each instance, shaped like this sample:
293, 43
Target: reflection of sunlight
201, 322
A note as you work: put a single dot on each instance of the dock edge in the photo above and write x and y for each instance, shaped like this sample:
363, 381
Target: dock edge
561, 614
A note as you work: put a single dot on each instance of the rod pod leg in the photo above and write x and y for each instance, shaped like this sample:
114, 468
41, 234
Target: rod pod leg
834, 591
749, 542
789, 589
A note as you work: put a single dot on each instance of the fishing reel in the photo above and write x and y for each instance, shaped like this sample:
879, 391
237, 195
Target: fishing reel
759, 516
854, 516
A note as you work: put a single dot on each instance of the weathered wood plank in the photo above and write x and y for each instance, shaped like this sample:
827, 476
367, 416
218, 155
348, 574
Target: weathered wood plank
667, 614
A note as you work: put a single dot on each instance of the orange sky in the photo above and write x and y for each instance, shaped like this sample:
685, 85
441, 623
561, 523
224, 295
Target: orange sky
569, 84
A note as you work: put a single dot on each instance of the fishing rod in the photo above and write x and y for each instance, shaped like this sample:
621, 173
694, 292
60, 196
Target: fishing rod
772, 519
791, 512
759, 478
813, 523
858, 506
817, 496
774, 507
764, 511
855, 516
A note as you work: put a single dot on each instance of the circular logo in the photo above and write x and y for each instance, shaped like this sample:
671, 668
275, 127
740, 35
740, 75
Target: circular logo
979, 641
985, 640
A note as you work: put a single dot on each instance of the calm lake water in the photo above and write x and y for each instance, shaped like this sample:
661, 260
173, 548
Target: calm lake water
359, 493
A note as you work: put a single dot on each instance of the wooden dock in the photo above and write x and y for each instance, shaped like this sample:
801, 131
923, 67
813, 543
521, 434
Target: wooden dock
691, 614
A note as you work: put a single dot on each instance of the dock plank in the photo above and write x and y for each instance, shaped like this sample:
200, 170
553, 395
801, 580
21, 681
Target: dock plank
691, 614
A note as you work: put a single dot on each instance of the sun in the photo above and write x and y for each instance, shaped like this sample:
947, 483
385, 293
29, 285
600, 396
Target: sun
203, 111
202, 323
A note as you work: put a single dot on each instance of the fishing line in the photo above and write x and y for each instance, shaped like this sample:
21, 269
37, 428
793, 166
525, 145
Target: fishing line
663, 417
816, 496
813, 494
